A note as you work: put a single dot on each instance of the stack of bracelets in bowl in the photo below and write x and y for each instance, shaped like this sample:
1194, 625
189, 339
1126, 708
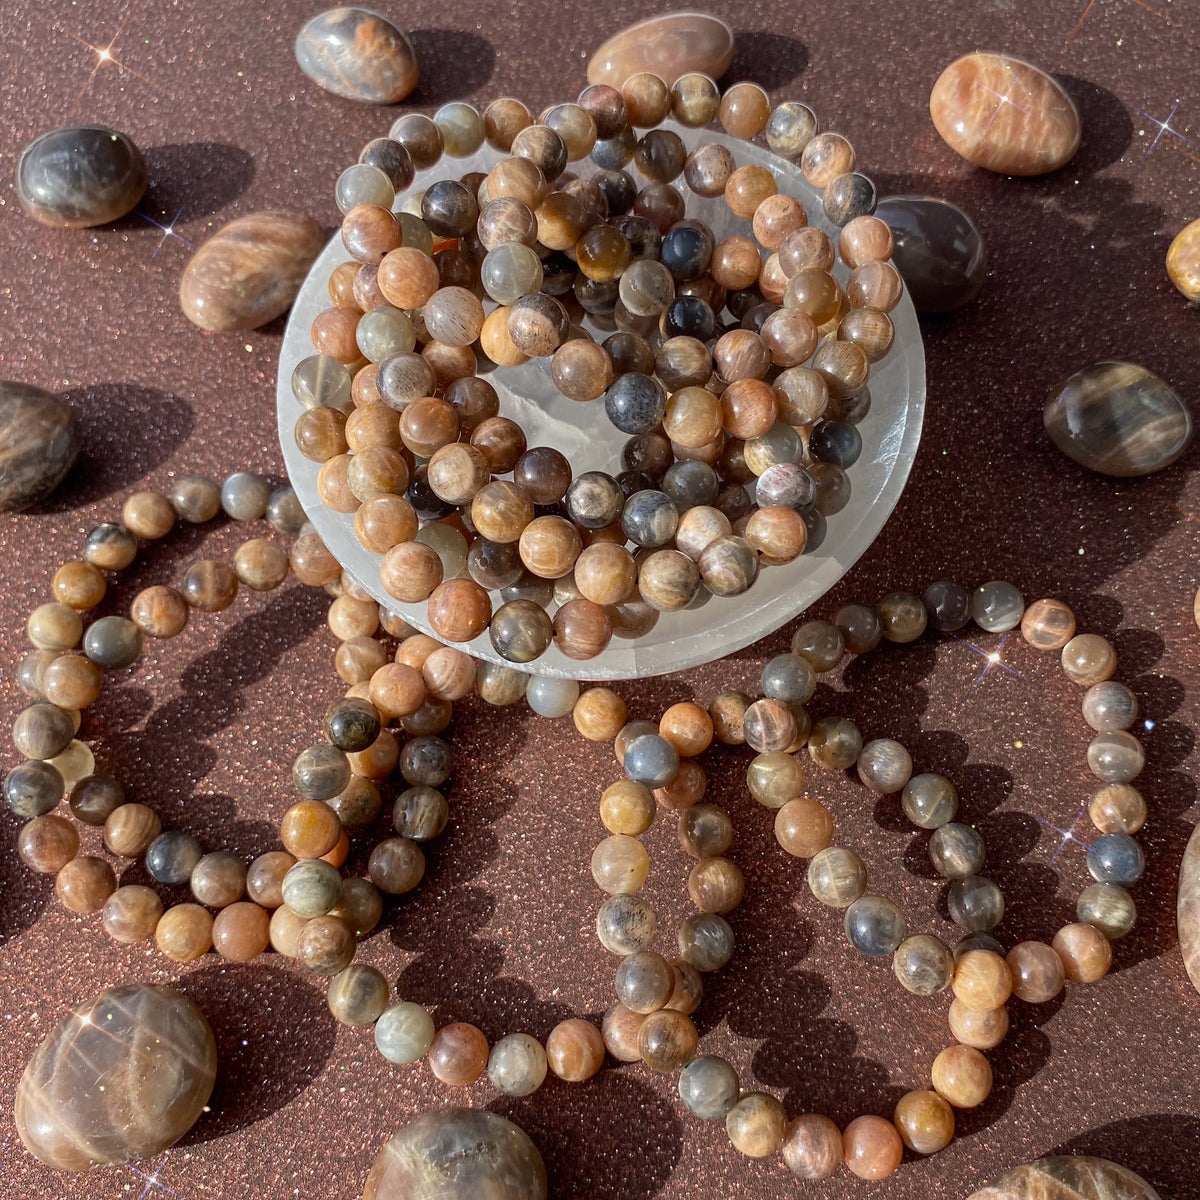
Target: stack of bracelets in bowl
295, 899
538, 383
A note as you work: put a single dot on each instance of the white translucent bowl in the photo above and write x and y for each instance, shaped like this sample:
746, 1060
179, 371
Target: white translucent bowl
717, 625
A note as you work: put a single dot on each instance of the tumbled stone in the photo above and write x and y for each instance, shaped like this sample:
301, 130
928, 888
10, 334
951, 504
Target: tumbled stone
670, 45
1068, 1177
357, 54
458, 1154
39, 440
1005, 115
121, 1079
250, 271
938, 250
1118, 419
1183, 260
80, 176
1188, 909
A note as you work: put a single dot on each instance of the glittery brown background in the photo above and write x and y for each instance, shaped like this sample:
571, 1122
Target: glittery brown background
501, 931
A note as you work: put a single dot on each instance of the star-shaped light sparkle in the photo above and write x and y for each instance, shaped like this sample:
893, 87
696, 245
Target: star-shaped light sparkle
1004, 99
992, 658
1163, 127
168, 231
1065, 835
153, 1182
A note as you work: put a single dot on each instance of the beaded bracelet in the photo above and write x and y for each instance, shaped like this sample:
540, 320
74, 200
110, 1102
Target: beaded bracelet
704, 425
317, 913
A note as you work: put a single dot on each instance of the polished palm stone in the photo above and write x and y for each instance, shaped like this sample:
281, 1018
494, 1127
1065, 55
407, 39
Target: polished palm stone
938, 250
1068, 1177
119, 1080
670, 45
1118, 419
1183, 260
1187, 911
357, 54
458, 1154
39, 442
249, 272
1005, 115
79, 177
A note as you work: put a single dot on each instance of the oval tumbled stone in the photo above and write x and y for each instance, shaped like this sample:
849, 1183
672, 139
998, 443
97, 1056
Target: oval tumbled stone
250, 271
357, 54
670, 45
458, 1154
80, 176
1068, 1177
1183, 260
1118, 419
938, 250
121, 1079
1005, 115
39, 441
1188, 909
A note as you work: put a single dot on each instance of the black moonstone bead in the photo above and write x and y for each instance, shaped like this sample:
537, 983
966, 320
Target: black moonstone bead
976, 904
939, 251
848, 196
618, 188
1115, 858
611, 154
948, 605
449, 209
113, 643
691, 483
80, 176
594, 500
649, 519
352, 724
558, 274
875, 926
635, 403
33, 789
392, 158
836, 442
172, 856
687, 249
644, 239
688, 316
426, 761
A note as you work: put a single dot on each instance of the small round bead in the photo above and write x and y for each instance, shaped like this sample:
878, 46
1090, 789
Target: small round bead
404, 1033
716, 885
975, 903
776, 779
159, 611
874, 926
790, 127
131, 914
357, 995
218, 879
244, 496
925, 1122
458, 1054
550, 697
396, 866
575, 1050
33, 789
599, 714
1109, 707
923, 964
984, 1029
812, 1147
625, 924
837, 877
1115, 858
1118, 808
825, 157
1037, 972
72, 681
902, 616
47, 844
884, 765
770, 725
172, 857
997, 607
871, 1147
184, 932
962, 1076
148, 515
706, 941
756, 1125
1085, 952
1116, 757
1088, 659
92, 799
241, 931
627, 807
709, 1087
130, 829
982, 980
705, 831
803, 827
929, 801
860, 627
517, 1065
311, 888
325, 946
196, 498
79, 585
264, 877
956, 851
210, 585
620, 864
54, 626
360, 906
651, 760
1048, 625
744, 110
835, 743
320, 772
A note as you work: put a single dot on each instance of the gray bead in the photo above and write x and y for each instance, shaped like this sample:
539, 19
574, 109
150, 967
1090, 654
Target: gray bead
284, 511
948, 605
1109, 908
923, 964
1109, 706
1115, 858
790, 678
517, 1065
80, 176
312, 887
635, 403
929, 801
836, 876
884, 765
321, 772
691, 483
997, 607
500, 685
938, 250
709, 1086
594, 500
613, 153
706, 941
786, 485
874, 926
426, 760
172, 856
978, 941
956, 851
652, 760
245, 496
420, 813
404, 1032
976, 904
33, 789
625, 925
113, 643
1116, 757
836, 442
196, 498
649, 519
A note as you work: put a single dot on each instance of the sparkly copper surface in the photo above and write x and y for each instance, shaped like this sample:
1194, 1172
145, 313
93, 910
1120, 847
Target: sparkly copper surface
500, 932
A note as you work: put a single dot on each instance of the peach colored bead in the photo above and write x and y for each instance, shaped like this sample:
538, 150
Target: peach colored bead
84, 884
627, 807
982, 980
1085, 952
241, 931
184, 932
984, 1029
599, 714
131, 914
620, 1032
148, 515
865, 239
449, 674
575, 1050
78, 585
803, 827
379, 759
688, 727
309, 829
812, 1147
962, 1076
397, 689
458, 1054
871, 1147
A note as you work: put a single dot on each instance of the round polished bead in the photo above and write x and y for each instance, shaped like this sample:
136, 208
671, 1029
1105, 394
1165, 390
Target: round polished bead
79, 585
517, 1065
620, 864
874, 926
775, 779
130, 829
172, 857
803, 827
47, 844
1088, 659
1048, 625
956, 851
705, 831
644, 981
33, 789
1116, 757
997, 607
884, 765
1109, 706
550, 697
835, 743
1109, 908
404, 1033
923, 964
458, 1054
709, 1087
716, 885
84, 884
976, 904
311, 888
1085, 953
1037, 972
770, 725
184, 932
948, 605
982, 980
241, 931
131, 914
859, 626
812, 1147
651, 760
1115, 858
837, 877
871, 1147
902, 616
962, 1076
575, 1050
706, 941
218, 879
925, 1122
929, 801
984, 1029
625, 924
1118, 808
756, 1125
325, 946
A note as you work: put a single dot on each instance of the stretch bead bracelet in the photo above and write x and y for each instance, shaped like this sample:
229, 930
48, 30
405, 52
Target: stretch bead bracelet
406, 437
317, 914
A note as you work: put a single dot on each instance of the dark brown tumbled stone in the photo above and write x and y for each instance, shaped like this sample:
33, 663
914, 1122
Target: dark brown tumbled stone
121, 1079
249, 272
39, 441
80, 176
359, 55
